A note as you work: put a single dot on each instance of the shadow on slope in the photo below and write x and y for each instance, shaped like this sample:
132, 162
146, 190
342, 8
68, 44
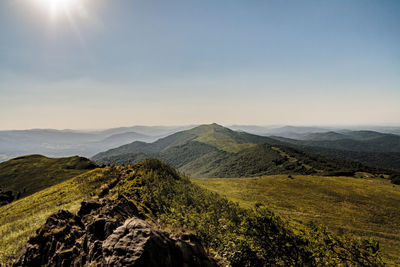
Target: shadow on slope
26, 175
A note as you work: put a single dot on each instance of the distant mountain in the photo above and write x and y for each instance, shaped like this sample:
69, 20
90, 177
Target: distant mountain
354, 135
381, 129
62, 143
26, 175
385, 160
147, 130
302, 132
327, 136
296, 132
215, 135
216, 151
375, 149
59, 143
359, 141
366, 135
117, 140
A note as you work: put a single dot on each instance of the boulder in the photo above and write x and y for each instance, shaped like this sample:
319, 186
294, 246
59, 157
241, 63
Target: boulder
87, 207
136, 243
108, 233
53, 242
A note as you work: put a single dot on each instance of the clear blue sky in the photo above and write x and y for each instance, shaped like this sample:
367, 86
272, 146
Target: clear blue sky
124, 62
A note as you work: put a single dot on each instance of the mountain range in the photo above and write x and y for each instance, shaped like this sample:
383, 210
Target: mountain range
372, 148
366, 141
64, 143
377, 149
215, 151
104, 206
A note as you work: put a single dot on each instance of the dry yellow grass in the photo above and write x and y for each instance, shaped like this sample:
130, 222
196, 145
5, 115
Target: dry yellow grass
20, 219
366, 208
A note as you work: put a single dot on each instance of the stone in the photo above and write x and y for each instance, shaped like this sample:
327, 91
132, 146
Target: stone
108, 233
87, 207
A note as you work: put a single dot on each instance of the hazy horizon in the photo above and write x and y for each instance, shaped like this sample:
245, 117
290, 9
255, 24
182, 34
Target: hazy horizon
272, 126
84, 64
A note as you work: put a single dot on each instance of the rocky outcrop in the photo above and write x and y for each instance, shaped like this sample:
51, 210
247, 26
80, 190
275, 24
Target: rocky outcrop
108, 233
136, 243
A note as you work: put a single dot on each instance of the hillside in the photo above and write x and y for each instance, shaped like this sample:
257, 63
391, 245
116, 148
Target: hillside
148, 213
216, 151
20, 219
26, 175
326, 136
378, 150
360, 141
263, 159
121, 138
355, 135
387, 143
388, 160
304, 133
215, 135
366, 208
296, 132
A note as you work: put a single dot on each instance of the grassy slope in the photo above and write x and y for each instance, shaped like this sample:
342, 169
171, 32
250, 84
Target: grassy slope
242, 237
30, 174
376, 142
363, 207
163, 192
388, 160
20, 219
382, 151
223, 138
216, 151
214, 135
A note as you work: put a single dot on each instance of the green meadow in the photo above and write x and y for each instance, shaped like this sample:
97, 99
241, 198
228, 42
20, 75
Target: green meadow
363, 207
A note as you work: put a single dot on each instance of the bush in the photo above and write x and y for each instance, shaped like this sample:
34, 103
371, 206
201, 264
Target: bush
240, 237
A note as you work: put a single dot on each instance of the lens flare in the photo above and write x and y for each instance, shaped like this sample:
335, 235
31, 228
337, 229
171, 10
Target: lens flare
55, 7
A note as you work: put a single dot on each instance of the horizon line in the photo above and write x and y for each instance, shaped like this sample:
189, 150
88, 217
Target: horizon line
343, 126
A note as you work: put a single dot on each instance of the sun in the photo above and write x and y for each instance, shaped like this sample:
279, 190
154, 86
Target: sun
55, 7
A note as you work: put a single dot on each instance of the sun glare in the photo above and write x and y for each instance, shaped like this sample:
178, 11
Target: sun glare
55, 7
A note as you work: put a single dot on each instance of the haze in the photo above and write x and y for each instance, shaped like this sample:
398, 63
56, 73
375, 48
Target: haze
101, 64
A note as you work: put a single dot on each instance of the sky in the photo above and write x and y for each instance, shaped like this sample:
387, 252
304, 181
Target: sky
100, 63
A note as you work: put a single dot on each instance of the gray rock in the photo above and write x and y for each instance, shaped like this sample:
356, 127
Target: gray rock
136, 243
109, 233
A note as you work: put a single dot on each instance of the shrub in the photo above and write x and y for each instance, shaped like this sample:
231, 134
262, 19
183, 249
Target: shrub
240, 237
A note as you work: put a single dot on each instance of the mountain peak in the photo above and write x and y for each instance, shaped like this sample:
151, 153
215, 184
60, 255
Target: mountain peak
212, 126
